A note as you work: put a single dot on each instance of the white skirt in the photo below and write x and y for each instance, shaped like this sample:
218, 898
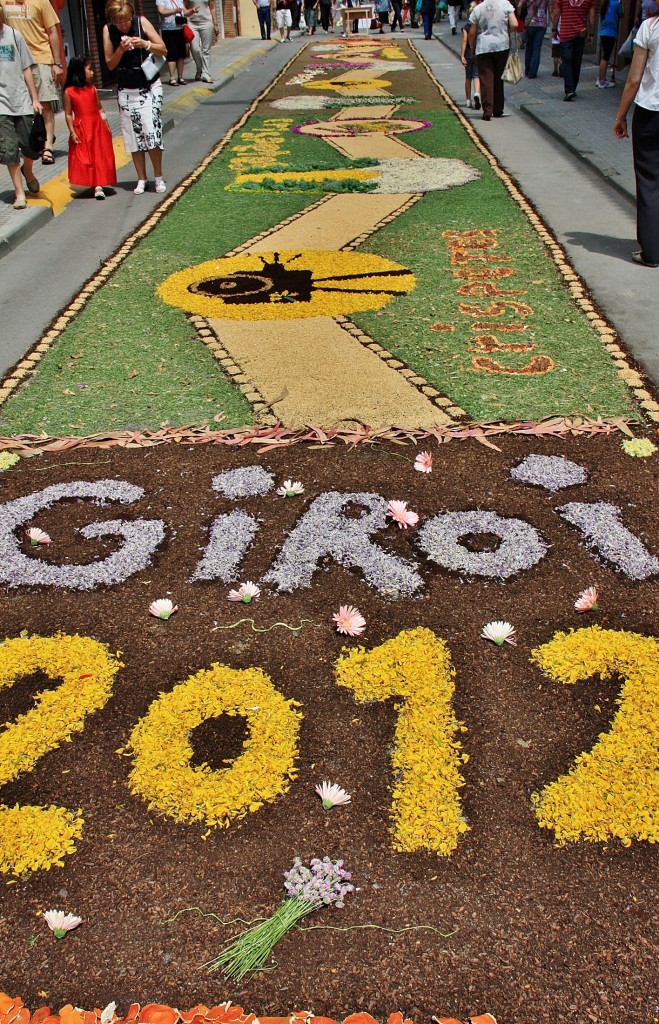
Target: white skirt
141, 123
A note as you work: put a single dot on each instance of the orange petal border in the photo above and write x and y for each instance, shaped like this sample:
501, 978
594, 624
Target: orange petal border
13, 1011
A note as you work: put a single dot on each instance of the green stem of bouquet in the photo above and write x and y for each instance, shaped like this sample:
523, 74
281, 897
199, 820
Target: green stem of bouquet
249, 951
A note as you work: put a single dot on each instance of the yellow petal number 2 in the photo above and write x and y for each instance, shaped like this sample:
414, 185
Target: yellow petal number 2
612, 791
33, 838
415, 666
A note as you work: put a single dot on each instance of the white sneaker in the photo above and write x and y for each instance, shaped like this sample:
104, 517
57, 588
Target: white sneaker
140, 188
470, 104
160, 185
605, 85
99, 193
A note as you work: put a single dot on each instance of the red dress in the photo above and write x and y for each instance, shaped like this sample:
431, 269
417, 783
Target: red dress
91, 161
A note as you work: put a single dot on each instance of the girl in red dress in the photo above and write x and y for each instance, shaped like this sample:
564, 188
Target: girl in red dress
91, 156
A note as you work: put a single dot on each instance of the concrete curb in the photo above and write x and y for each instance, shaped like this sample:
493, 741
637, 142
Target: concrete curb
607, 174
20, 225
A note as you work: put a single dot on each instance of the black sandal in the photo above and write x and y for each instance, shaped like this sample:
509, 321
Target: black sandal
47, 156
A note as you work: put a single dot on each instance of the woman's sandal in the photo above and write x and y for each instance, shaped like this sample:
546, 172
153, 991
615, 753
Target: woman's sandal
173, 81
47, 156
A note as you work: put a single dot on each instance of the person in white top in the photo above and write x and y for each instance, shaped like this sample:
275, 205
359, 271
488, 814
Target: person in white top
492, 21
642, 86
203, 22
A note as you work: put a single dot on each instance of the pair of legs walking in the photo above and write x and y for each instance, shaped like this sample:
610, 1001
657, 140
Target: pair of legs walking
490, 69
200, 48
534, 36
571, 57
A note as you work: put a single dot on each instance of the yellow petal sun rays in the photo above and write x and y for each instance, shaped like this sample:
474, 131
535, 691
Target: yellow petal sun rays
354, 280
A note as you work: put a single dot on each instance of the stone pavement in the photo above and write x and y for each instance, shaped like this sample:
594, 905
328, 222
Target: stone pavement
584, 126
229, 58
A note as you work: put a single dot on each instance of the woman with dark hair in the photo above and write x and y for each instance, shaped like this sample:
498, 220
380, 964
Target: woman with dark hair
492, 21
642, 87
127, 42
91, 156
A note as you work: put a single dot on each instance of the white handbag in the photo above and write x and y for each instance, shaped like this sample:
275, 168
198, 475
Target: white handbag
513, 73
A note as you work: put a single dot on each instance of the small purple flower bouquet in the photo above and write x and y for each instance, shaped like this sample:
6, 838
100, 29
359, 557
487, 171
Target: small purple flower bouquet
323, 883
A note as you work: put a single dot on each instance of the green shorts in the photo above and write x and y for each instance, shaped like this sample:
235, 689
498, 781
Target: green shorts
15, 136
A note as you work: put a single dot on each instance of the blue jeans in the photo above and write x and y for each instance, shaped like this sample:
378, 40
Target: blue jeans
427, 25
263, 14
571, 56
534, 36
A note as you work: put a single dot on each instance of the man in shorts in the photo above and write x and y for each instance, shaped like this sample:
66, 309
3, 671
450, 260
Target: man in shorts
37, 23
18, 104
283, 20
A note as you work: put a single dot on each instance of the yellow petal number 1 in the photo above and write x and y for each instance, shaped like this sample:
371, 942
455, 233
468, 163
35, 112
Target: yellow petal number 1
612, 791
33, 838
416, 667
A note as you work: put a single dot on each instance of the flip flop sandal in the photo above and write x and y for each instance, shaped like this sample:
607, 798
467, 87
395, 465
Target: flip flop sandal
47, 157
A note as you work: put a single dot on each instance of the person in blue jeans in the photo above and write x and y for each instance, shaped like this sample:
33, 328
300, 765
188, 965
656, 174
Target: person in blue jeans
535, 27
577, 24
428, 14
264, 16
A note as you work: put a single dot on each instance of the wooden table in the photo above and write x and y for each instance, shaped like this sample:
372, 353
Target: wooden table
349, 14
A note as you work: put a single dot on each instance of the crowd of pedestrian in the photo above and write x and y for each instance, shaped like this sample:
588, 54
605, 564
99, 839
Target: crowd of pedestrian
32, 73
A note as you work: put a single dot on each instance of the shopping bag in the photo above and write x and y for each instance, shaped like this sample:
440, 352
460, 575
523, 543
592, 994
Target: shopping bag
512, 73
627, 48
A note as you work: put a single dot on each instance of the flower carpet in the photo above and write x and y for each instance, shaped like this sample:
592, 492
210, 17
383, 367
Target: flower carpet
329, 565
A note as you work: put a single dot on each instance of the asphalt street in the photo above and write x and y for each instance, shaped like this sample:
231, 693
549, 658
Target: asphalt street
583, 195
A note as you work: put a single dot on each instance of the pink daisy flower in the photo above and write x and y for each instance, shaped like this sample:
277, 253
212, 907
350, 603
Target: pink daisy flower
401, 514
349, 620
587, 600
423, 462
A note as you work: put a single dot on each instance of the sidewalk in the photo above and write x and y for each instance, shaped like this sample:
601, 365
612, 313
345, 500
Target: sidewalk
584, 126
229, 57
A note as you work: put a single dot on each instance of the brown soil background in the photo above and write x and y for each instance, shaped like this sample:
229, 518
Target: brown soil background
538, 933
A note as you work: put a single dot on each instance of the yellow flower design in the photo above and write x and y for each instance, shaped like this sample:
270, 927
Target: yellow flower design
33, 838
162, 772
416, 666
613, 791
287, 285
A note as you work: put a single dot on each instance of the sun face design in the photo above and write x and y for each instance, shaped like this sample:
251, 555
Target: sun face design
352, 127
286, 285
354, 85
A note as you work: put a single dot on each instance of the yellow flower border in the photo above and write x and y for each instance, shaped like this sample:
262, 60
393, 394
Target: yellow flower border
162, 773
33, 838
416, 667
612, 791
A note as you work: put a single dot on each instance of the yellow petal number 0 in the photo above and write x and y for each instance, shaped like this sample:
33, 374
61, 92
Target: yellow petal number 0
163, 774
